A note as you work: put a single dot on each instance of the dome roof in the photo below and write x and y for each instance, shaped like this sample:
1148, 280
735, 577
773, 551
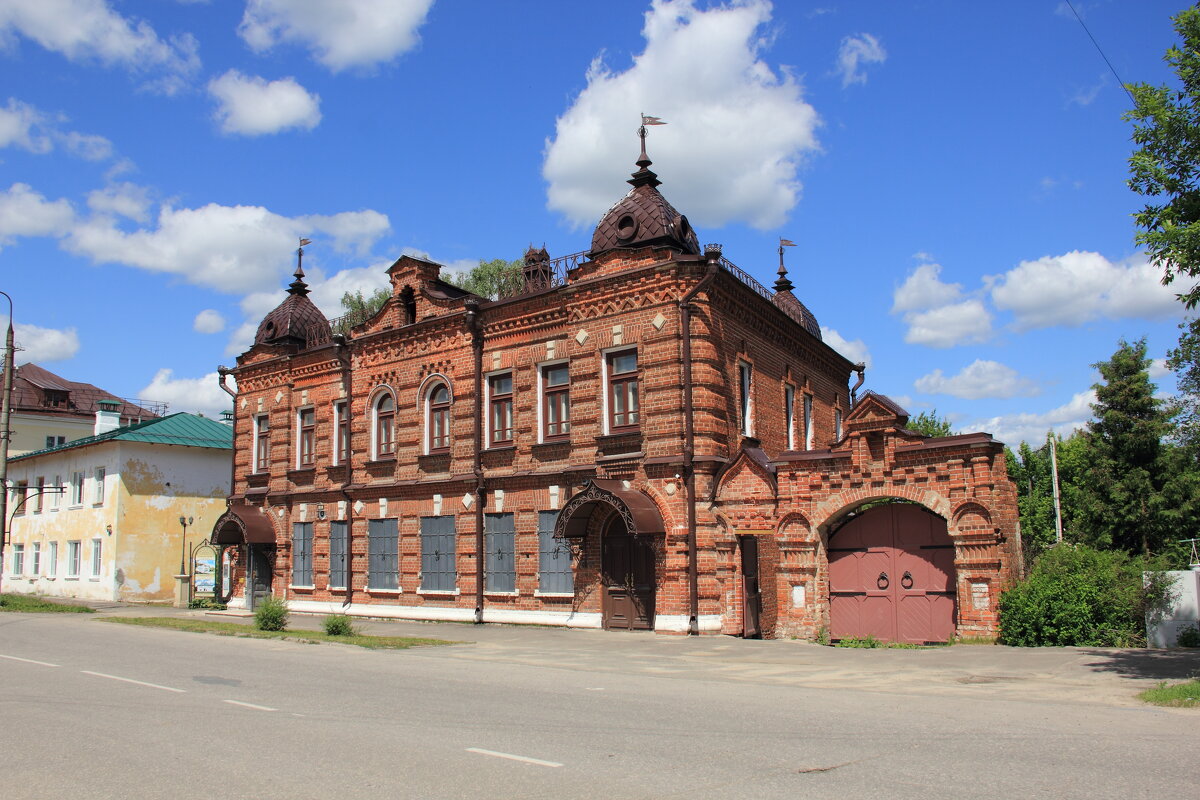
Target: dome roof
294, 321
644, 217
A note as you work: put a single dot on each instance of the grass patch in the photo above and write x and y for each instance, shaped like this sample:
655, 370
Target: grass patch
870, 642
39, 605
245, 631
1180, 695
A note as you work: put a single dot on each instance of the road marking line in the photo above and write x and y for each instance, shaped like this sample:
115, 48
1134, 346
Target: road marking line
30, 661
249, 705
131, 680
511, 757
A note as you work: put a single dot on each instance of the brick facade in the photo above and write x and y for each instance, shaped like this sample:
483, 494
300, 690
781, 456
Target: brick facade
623, 297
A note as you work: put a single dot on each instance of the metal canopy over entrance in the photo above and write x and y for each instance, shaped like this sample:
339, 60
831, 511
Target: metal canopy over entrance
891, 576
637, 510
243, 524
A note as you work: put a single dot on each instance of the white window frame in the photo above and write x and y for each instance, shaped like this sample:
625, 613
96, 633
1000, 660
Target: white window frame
541, 397
606, 392
745, 377
98, 476
76, 500
338, 407
300, 432
487, 404
837, 422
18, 561
52, 561
376, 398
57, 493
35, 560
256, 467
808, 418
97, 557
427, 412
789, 414
74, 557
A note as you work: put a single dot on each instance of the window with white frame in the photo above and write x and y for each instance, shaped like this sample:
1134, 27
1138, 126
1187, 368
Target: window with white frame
39, 498
789, 414
97, 557
55, 441
35, 566
621, 374
437, 416
56, 497
306, 437
341, 447
18, 563
383, 416
808, 429
52, 560
98, 476
76, 488
262, 443
556, 401
500, 405
74, 554
745, 398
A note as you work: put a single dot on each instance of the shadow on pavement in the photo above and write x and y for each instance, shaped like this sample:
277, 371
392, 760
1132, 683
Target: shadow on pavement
1160, 665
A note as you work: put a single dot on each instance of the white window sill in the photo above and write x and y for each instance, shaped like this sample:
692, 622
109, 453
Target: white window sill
94, 580
490, 593
72, 577
440, 592
306, 587
540, 593
371, 590
335, 588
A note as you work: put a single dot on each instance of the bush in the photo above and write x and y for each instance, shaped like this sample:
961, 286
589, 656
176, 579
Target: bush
206, 602
1078, 596
338, 625
271, 614
1188, 637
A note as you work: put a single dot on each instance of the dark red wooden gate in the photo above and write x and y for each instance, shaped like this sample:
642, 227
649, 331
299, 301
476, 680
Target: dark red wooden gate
891, 576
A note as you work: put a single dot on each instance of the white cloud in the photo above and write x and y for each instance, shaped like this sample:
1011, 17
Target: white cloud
208, 321
1012, 429
1086, 95
24, 212
232, 249
855, 52
700, 71
1080, 287
955, 324
251, 106
978, 380
1158, 369
327, 292
26, 127
88, 30
856, 350
34, 344
923, 289
19, 127
193, 395
123, 199
347, 33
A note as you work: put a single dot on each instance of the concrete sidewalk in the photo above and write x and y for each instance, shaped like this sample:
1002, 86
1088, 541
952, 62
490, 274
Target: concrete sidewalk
1106, 676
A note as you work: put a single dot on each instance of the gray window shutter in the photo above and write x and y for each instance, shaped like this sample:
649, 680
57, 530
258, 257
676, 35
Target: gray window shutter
382, 554
302, 554
554, 557
439, 570
500, 532
337, 553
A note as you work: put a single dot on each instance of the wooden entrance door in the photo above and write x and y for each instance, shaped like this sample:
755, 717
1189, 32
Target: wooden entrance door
751, 592
260, 574
628, 578
891, 576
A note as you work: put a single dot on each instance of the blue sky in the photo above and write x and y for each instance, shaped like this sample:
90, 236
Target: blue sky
952, 173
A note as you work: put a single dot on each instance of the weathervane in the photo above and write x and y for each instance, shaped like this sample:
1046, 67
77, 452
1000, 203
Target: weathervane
647, 120
782, 284
299, 273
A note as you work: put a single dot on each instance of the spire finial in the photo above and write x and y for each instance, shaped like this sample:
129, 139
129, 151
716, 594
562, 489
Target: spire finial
298, 286
782, 284
644, 175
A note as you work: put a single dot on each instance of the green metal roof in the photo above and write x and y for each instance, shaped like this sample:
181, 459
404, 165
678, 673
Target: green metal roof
188, 430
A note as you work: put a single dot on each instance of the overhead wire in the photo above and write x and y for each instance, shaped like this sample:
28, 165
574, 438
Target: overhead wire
1100, 50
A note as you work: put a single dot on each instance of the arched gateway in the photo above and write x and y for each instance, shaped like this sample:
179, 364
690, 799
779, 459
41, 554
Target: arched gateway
628, 524
250, 530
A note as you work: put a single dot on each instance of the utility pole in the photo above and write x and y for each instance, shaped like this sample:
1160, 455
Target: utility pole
5, 434
1054, 477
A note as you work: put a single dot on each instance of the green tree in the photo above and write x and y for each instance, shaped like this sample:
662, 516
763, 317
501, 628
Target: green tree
362, 307
1184, 361
1166, 164
929, 423
491, 279
1127, 490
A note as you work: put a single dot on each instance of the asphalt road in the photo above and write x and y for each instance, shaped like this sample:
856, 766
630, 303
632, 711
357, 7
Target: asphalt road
95, 710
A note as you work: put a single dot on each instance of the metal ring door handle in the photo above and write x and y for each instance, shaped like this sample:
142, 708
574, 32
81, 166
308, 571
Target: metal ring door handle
907, 580
882, 581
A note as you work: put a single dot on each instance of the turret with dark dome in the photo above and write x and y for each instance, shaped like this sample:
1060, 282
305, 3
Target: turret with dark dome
643, 218
296, 320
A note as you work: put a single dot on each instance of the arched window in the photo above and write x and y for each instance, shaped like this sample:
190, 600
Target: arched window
438, 418
384, 413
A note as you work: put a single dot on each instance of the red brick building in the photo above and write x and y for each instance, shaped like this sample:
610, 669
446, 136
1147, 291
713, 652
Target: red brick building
642, 436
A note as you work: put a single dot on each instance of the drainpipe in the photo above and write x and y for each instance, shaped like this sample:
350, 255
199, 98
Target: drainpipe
712, 255
222, 374
343, 356
861, 369
476, 327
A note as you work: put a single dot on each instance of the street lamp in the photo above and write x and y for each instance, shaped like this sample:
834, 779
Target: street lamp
5, 410
183, 522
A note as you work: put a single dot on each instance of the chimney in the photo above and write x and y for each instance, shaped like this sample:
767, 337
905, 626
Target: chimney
108, 417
